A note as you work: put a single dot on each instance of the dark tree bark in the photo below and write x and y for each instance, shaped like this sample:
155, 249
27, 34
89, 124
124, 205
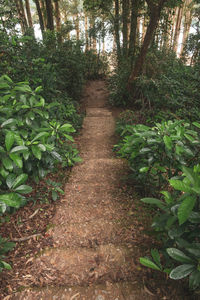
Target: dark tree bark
28, 12
57, 15
40, 15
155, 11
116, 28
125, 13
49, 10
21, 14
133, 32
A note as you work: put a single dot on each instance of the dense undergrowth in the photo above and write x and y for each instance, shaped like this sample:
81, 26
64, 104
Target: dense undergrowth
40, 87
161, 140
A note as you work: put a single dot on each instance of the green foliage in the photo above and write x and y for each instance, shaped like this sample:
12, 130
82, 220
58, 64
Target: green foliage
157, 153
178, 225
30, 143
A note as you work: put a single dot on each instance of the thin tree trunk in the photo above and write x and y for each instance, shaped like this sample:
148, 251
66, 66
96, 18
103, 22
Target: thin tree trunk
154, 18
177, 29
116, 28
187, 24
49, 10
21, 14
138, 31
133, 32
125, 12
76, 21
57, 15
143, 28
40, 15
173, 27
86, 34
43, 11
28, 12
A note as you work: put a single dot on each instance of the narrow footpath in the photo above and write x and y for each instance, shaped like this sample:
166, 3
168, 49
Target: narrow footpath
92, 255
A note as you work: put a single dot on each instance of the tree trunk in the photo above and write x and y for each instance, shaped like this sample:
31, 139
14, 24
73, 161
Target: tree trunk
116, 28
49, 10
86, 34
173, 26
40, 15
133, 32
21, 14
154, 18
143, 28
43, 11
187, 24
125, 13
28, 12
57, 15
177, 29
76, 21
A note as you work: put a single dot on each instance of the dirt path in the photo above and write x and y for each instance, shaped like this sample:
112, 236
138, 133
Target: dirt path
92, 256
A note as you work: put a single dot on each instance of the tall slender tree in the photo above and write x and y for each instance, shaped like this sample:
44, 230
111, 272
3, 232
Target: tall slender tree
28, 12
155, 12
49, 10
41, 20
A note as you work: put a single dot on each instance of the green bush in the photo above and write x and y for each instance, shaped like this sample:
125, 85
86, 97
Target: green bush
157, 153
177, 225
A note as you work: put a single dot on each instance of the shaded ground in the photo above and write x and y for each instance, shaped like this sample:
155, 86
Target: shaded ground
91, 243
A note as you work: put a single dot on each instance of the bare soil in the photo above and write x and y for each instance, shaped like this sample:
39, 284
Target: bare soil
92, 239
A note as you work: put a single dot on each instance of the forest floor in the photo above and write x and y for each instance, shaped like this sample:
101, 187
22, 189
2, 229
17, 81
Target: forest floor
91, 239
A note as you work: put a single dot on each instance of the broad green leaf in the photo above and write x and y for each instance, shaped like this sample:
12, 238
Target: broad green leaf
56, 155
168, 142
19, 149
24, 189
196, 124
39, 136
194, 280
19, 180
155, 201
42, 147
5, 265
189, 137
186, 208
181, 271
156, 257
168, 197
189, 173
195, 252
9, 140
144, 169
7, 162
67, 128
8, 122
54, 195
69, 137
36, 152
179, 255
17, 159
194, 217
3, 172
179, 185
11, 199
10, 180
149, 263
145, 150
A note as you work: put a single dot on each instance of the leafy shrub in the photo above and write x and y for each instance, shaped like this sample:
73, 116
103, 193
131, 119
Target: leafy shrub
157, 153
30, 143
177, 225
